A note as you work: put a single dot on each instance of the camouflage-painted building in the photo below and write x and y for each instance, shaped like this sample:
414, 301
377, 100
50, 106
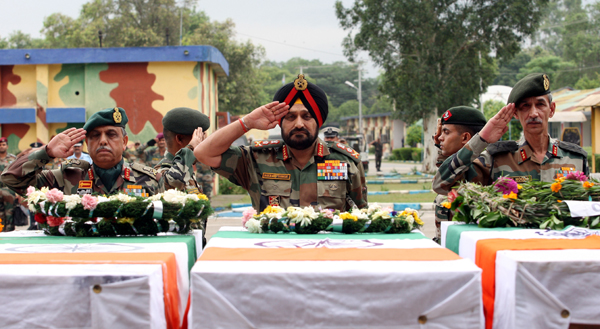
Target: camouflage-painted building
45, 91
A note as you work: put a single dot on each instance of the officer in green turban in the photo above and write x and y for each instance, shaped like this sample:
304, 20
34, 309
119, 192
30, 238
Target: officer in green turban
106, 139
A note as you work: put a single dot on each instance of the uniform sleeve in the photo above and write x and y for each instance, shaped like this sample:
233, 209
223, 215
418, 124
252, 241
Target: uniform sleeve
181, 173
357, 189
139, 152
28, 171
235, 164
468, 159
440, 158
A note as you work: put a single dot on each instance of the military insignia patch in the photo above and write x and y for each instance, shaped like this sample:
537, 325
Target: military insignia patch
91, 174
554, 150
127, 173
257, 144
276, 176
274, 142
446, 115
546, 82
523, 155
300, 83
320, 150
285, 151
273, 200
85, 187
333, 187
117, 116
521, 179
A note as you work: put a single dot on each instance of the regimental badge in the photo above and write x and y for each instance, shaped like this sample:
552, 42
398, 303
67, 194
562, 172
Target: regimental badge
446, 115
333, 187
135, 190
117, 116
257, 144
554, 150
300, 83
332, 170
523, 155
546, 82
273, 200
85, 187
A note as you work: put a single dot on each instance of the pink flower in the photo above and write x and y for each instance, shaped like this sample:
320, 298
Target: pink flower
577, 175
54, 195
30, 190
55, 221
506, 185
246, 215
89, 202
327, 213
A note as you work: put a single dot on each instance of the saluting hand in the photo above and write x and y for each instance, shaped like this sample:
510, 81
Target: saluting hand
497, 126
267, 116
61, 146
197, 137
438, 132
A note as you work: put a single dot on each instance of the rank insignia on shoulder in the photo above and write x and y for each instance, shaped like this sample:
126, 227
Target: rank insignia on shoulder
332, 170
523, 155
554, 150
266, 143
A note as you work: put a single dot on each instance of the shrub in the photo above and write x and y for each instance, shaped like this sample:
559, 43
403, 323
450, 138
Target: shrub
227, 187
404, 153
416, 153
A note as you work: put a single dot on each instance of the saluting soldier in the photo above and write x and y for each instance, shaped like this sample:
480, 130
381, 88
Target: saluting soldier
149, 154
301, 170
183, 129
105, 135
536, 156
7, 201
455, 128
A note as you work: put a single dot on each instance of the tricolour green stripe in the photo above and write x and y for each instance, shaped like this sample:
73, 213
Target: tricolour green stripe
454, 232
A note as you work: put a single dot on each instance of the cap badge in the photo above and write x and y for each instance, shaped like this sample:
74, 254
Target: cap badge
300, 83
446, 115
117, 116
546, 82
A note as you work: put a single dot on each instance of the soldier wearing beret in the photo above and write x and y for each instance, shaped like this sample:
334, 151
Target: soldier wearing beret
536, 156
291, 172
106, 138
151, 152
184, 129
455, 128
7, 201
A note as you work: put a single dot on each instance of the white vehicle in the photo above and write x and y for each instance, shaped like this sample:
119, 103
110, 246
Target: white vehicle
359, 145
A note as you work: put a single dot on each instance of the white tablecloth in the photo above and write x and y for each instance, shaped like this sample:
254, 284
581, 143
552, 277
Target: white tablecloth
62, 296
334, 294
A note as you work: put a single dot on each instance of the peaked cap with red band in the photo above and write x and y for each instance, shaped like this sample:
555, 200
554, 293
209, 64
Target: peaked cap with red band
313, 98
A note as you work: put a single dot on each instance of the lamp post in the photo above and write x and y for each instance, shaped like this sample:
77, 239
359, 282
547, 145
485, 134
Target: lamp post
359, 92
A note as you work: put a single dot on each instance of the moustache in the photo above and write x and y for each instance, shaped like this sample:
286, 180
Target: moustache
297, 130
534, 120
103, 148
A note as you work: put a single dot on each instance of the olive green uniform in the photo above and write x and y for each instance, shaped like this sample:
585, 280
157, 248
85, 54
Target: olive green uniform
150, 156
272, 176
205, 177
7, 201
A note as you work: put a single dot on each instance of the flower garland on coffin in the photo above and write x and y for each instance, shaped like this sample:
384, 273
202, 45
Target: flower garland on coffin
532, 204
119, 214
307, 220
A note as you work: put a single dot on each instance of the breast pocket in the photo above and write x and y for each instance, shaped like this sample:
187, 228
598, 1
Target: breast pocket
332, 194
277, 187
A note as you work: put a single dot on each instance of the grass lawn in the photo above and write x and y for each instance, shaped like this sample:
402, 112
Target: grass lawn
399, 198
397, 187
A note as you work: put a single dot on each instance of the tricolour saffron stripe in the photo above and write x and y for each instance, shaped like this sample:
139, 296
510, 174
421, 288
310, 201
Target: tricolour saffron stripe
166, 260
325, 254
485, 258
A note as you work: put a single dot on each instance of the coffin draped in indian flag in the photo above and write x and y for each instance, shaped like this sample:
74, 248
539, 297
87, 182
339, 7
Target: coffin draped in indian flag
245, 280
114, 282
533, 276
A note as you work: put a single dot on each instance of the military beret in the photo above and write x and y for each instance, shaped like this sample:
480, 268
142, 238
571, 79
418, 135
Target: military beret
3, 139
535, 84
331, 131
310, 95
36, 144
464, 116
160, 135
107, 117
184, 120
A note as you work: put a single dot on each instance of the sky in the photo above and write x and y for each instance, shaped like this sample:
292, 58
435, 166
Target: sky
286, 29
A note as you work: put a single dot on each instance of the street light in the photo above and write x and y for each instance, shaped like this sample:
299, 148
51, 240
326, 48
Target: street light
359, 92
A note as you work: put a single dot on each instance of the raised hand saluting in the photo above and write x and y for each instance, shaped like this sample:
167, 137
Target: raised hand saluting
61, 146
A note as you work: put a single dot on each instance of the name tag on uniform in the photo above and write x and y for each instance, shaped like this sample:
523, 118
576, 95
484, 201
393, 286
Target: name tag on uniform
85, 187
135, 190
268, 175
332, 170
521, 179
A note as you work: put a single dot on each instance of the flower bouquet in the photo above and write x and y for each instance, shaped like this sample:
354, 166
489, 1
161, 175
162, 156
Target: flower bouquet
307, 220
119, 214
532, 204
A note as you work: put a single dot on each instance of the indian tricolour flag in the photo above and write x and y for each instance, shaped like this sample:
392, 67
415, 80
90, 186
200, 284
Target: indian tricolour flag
533, 276
245, 280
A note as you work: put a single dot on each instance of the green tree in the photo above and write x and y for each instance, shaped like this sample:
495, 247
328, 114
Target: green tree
560, 72
491, 107
414, 135
430, 50
587, 83
508, 70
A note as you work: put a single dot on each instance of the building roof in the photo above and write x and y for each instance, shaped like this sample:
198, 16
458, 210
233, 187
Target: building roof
568, 100
377, 115
208, 54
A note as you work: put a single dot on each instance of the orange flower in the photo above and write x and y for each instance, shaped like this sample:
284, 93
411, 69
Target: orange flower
512, 195
447, 205
519, 186
587, 184
555, 187
558, 200
560, 179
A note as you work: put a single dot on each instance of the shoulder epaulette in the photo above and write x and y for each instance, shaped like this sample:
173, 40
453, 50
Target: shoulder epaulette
346, 150
572, 148
502, 147
76, 163
265, 144
144, 169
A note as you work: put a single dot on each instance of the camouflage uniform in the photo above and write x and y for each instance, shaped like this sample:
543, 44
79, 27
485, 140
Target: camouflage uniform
206, 178
177, 171
29, 170
508, 158
148, 155
271, 175
7, 203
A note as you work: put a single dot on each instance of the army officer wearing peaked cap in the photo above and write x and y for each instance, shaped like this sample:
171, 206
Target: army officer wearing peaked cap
289, 172
106, 139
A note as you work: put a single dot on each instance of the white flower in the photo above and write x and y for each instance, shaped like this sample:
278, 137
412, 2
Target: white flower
309, 212
31, 207
156, 197
409, 219
295, 214
374, 207
381, 214
174, 196
102, 199
122, 197
71, 201
36, 197
360, 214
305, 221
253, 225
